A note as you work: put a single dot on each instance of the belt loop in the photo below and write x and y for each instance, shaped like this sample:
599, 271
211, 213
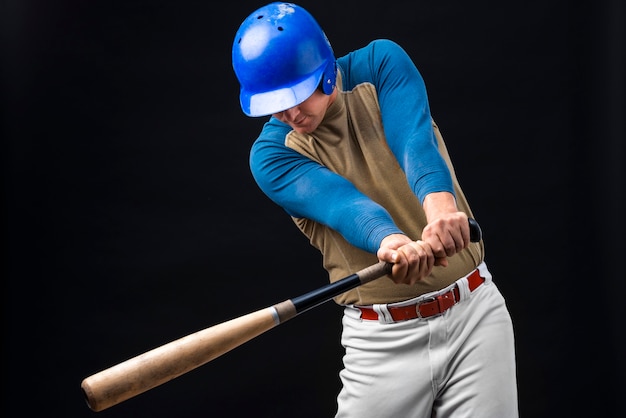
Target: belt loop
463, 287
352, 311
484, 272
384, 316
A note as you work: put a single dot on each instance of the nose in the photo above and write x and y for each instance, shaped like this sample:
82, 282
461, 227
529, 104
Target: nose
291, 114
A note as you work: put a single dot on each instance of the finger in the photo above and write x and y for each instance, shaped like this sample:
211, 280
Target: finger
448, 242
427, 259
414, 255
422, 261
441, 261
399, 268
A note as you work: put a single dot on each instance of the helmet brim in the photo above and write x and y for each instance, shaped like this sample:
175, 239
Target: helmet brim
267, 103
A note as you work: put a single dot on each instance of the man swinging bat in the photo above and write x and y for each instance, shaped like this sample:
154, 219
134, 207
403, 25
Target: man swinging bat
350, 151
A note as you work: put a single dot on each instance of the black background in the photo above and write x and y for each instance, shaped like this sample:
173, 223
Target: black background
131, 218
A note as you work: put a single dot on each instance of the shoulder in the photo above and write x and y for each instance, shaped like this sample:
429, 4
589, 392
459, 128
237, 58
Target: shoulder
384, 46
274, 130
372, 61
272, 138
376, 49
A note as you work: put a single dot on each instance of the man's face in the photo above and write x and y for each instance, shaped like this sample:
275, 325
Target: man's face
306, 117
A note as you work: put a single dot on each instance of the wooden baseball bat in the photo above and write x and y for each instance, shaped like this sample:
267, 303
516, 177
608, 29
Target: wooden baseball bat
164, 363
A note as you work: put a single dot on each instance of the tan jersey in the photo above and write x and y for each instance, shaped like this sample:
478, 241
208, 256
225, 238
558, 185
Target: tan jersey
351, 142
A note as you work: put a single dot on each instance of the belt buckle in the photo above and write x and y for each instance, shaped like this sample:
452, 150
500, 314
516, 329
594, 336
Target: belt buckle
437, 299
421, 302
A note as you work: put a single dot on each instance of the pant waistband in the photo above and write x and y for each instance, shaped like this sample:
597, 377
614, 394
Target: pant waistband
427, 307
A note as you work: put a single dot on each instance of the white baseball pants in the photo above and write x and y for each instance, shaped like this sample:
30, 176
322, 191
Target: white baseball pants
458, 364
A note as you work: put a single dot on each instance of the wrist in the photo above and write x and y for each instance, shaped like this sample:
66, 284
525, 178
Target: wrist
439, 204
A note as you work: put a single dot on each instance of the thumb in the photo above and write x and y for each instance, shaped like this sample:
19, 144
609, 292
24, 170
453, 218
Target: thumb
388, 255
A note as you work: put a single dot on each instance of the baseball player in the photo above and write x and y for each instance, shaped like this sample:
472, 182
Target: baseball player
352, 154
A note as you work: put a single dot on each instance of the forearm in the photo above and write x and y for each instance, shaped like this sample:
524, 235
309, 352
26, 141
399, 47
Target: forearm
305, 189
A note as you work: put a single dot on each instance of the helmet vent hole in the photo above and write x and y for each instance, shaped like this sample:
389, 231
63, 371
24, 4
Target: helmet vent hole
259, 17
280, 28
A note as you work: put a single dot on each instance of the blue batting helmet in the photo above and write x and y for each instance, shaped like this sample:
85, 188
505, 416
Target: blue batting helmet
280, 56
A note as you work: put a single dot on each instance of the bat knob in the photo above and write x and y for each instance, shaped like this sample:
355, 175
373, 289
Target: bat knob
476, 233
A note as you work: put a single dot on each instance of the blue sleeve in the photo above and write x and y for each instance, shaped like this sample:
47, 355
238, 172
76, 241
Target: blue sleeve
303, 188
405, 113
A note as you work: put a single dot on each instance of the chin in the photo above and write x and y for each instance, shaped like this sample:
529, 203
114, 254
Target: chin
303, 130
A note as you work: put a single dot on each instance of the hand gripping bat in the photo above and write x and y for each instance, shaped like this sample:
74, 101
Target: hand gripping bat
164, 363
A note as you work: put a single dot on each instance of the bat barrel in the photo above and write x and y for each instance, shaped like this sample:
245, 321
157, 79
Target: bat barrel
162, 364
139, 374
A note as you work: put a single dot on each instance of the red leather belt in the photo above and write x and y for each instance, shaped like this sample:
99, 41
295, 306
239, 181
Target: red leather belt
428, 307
